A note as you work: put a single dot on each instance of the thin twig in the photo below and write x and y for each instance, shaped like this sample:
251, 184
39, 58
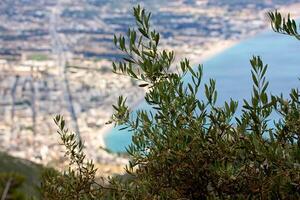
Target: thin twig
6, 189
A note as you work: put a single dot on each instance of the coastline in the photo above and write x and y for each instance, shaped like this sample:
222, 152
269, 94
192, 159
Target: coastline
27, 130
213, 50
209, 52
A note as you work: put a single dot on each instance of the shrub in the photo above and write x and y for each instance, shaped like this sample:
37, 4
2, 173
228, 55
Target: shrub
186, 147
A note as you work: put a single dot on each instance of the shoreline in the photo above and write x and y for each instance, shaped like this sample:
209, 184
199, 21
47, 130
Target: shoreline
95, 88
213, 50
209, 53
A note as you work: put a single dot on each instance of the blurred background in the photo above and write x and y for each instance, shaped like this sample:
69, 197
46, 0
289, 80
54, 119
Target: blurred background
55, 58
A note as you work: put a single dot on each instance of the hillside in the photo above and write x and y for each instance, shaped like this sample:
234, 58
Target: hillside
29, 170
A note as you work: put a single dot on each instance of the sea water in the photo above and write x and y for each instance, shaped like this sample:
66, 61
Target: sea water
232, 71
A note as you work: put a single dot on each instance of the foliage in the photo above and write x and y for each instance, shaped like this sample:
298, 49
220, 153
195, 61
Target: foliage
9, 185
284, 25
186, 147
24, 174
78, 181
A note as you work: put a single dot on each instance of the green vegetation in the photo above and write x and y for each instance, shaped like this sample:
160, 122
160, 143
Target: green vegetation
188, 148
38, 57
284, 25
24, 176
10, 184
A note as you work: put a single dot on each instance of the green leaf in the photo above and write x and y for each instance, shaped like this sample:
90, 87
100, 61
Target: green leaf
143, 85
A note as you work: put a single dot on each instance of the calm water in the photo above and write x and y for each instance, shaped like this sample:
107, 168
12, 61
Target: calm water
231, 69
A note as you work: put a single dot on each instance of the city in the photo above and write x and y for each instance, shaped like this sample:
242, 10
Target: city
56, 59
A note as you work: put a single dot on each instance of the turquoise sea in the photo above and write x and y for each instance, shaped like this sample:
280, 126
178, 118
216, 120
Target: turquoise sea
231, 70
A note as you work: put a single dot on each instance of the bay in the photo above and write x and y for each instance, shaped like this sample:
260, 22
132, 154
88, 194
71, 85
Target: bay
231, 70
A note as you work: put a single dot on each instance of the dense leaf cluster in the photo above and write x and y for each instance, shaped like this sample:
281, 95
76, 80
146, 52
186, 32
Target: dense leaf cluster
186, 147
